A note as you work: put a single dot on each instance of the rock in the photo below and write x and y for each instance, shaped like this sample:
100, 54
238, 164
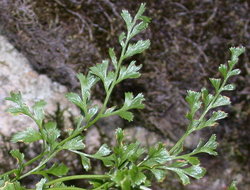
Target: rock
145, 137
93, 140
193, 140
17, 75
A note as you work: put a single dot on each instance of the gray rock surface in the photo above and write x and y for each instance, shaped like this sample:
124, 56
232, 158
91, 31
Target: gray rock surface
17, 75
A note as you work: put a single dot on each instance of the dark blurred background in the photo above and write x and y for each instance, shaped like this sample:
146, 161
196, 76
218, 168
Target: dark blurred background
189, 40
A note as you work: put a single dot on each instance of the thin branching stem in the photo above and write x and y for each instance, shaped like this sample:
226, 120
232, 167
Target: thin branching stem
25, 164
74, 177
208, 108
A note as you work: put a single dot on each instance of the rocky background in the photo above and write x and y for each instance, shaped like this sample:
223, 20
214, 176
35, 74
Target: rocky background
189, 40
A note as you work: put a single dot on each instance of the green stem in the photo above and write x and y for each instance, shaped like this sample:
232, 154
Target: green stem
7, 173
96, 118
107, 184
74, 177
25, 164
63, 188
182, 139
69, 188
113, 83
106, 98
34, 159
40, 164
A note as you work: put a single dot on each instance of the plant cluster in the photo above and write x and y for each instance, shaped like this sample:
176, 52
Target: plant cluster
130, 166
